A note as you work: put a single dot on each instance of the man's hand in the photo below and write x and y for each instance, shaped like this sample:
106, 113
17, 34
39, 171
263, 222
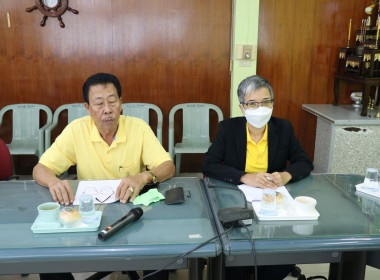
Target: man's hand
62, 192
130, 187
266, 180
259, 179
282, 178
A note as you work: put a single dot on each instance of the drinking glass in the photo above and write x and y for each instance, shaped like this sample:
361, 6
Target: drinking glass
87, 209
268, 203
371, 179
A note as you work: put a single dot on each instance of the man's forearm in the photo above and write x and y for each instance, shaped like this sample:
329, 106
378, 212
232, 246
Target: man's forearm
164, 171
44, 176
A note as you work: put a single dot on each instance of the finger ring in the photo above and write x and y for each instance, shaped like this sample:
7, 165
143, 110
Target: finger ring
131, 189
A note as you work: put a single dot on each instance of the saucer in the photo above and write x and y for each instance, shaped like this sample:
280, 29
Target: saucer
287, 213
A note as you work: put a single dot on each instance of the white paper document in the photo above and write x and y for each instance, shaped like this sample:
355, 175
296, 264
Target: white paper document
103, 191
253, 194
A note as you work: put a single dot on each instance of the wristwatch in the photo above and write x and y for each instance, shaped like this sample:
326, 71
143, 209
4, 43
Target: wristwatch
154, 178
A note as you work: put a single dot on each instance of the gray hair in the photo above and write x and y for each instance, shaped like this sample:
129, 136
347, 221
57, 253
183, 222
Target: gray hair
251, 84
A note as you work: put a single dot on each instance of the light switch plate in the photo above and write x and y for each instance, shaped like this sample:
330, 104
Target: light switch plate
244, 63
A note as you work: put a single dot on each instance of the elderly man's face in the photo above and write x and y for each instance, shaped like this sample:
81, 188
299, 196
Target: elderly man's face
104, 107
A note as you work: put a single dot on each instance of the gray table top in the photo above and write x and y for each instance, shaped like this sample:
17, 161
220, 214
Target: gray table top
340, 115
164, 231
348, 220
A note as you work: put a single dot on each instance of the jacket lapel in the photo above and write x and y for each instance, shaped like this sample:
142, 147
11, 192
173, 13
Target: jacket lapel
241, 143
272, 144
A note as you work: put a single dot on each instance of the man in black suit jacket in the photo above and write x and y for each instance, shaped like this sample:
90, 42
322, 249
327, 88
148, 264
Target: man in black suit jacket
226, 158
257, 150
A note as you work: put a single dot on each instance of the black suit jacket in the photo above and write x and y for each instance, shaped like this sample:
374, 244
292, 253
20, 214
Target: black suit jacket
226, 157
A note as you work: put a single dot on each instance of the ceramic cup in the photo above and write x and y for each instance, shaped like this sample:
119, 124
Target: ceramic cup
48, 212
305, 204
303, 229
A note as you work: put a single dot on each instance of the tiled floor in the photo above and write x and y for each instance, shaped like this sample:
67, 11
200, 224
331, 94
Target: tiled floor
307, 269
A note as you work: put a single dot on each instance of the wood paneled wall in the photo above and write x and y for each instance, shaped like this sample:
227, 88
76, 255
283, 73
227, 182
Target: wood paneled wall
298, 49
164, 52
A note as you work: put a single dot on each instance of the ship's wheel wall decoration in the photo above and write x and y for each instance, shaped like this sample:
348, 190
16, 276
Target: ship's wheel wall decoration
52, 8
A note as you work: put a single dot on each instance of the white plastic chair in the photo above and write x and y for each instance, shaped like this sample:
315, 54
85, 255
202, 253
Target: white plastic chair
74, 111
27, 136
195, 131
141, 110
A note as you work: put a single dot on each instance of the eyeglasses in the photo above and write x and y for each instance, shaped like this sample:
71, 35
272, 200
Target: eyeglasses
101, 195
255, 105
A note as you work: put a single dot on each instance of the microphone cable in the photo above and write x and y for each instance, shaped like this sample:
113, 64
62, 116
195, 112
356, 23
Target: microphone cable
187, 253
241, 223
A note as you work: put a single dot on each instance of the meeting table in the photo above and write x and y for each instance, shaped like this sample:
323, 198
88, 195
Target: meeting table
163, 233
346, 234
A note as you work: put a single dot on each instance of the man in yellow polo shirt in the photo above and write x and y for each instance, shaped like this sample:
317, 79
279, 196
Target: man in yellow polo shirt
104, 145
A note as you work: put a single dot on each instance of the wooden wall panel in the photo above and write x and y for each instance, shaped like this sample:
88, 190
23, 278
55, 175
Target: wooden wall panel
298, 50
164, 52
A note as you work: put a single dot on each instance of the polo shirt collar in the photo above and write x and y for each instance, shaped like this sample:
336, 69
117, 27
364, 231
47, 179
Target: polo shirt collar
119, 137
121, 133
265, 136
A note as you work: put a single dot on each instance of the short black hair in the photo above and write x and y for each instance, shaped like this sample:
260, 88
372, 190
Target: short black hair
100, 79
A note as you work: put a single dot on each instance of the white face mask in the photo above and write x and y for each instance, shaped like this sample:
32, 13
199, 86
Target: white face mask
258, 117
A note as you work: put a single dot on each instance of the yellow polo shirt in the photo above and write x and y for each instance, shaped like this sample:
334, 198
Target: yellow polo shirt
135, 146
257, 154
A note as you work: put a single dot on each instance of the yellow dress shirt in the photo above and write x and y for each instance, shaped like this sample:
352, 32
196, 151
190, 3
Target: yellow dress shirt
135, 146
257, 154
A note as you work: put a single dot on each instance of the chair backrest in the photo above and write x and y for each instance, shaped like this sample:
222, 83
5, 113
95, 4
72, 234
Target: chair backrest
27, 133
141, 110
74, 111
196, 122
6, 167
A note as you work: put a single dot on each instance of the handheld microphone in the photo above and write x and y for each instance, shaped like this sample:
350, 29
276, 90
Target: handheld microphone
130, 217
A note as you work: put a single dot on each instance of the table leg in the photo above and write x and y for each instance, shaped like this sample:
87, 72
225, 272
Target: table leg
215, 268
352, 267
335, 271
336, 91
195, 270
365, 99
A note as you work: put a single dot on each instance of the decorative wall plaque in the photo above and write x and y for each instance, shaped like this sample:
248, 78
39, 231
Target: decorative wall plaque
52, 8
